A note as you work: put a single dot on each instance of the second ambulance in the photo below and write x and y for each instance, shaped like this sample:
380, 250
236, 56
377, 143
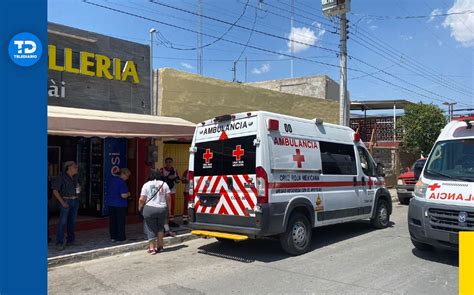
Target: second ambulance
443, 202
262, 174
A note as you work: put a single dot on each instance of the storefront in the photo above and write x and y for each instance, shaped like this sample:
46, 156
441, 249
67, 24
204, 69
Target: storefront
98, 114
103, 142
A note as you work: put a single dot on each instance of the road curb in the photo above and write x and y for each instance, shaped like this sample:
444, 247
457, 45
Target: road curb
115, 250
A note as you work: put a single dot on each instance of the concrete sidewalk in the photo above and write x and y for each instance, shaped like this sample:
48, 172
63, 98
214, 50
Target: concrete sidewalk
91, 244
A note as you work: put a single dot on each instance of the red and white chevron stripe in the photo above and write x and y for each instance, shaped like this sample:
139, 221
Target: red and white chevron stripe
235, 201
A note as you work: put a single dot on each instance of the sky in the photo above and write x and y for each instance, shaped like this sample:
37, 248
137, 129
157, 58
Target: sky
419, 50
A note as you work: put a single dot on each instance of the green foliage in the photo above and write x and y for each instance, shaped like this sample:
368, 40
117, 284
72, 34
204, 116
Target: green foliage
422, 124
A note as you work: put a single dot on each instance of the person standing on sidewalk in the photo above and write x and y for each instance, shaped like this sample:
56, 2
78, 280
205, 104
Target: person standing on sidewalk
170, 176
185, 180
66, 189
116, 198
154, 203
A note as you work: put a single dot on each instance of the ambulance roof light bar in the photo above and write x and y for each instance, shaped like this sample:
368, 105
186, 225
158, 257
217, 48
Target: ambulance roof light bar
273, 125
466, 119
223, 118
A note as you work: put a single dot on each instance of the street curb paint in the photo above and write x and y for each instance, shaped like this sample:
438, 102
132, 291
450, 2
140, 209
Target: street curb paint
115, 250
466, 262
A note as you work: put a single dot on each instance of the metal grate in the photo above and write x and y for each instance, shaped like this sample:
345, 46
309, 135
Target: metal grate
448, 220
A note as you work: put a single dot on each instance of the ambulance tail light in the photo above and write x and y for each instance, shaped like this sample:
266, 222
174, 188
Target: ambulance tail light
273, 125
262, 186
420, 189
356, 137
191, 183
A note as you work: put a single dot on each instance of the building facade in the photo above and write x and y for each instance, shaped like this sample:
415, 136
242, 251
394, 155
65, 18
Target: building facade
321, 87
196, 98
99, 114
93, 71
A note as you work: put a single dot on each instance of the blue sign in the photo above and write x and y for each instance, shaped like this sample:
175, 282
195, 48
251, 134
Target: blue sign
25, 49
115, 157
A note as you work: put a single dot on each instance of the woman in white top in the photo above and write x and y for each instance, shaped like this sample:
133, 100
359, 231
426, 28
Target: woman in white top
155, 203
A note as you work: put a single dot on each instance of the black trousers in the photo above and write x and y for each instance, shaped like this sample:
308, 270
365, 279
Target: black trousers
117, 223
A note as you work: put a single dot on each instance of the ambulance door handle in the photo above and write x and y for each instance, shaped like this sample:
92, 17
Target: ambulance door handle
230, 182
363, 180
354, 181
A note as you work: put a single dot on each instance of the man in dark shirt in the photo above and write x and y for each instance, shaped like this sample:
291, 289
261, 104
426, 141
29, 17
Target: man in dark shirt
116, 198
66, 190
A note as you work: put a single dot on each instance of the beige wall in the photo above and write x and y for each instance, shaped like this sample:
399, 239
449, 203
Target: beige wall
196, 98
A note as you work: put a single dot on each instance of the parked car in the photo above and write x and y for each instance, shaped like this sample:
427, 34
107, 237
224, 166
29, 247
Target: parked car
406, 182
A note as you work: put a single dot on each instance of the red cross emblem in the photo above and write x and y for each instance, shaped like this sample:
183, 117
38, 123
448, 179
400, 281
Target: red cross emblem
238, 152
370, 183
434, 186
207, 156
298, 158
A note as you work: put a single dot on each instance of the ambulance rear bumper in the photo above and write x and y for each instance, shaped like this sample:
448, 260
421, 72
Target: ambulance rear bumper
267, 223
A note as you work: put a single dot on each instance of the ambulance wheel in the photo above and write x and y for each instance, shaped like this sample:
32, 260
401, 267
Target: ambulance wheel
297, 238
382, 217
421, 246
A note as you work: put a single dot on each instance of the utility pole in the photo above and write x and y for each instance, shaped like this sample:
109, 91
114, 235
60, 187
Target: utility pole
199, 41
245, 69
450, 109
343, 120
152, 32
292, 44
234, 69
339, 8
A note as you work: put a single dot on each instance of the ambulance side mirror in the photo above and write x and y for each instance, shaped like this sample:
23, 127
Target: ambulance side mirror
380, 170
417, 171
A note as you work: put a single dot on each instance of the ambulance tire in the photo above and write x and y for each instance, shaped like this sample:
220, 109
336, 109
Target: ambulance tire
296, 240
381, 218
421, 246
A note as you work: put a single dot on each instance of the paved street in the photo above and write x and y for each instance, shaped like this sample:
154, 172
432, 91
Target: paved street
345, 259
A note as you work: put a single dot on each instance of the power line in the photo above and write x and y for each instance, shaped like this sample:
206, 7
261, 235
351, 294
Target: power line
389, 56
232, 25
393, 17
208, 35
377, 42
291, 40
243, 27
267, 50
442, 81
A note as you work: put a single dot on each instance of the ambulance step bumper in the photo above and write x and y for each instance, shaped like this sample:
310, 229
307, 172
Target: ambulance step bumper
216, 234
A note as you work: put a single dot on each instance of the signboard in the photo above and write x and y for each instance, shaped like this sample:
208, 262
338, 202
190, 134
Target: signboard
115, 157
335, 7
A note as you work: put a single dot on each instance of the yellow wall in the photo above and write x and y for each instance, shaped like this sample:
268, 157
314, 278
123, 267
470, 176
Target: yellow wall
196, 98
180, 155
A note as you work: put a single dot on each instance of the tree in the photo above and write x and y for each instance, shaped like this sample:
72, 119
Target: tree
422, 124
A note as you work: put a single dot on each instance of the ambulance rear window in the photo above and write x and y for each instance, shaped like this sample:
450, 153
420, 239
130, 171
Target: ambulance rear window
233, 156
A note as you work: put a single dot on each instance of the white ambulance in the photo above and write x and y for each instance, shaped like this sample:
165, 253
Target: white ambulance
443, 203
261, 174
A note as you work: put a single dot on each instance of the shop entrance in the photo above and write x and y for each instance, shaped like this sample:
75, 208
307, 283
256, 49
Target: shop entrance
98, 159
180, 154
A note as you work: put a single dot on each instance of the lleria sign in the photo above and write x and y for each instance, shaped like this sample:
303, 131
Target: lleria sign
94, 65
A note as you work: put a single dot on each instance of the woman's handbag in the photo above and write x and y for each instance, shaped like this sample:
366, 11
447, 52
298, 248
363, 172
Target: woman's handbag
140, 211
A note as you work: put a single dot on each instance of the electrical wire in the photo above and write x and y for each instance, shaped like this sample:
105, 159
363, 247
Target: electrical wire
267, 50
232, 25
392, 17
